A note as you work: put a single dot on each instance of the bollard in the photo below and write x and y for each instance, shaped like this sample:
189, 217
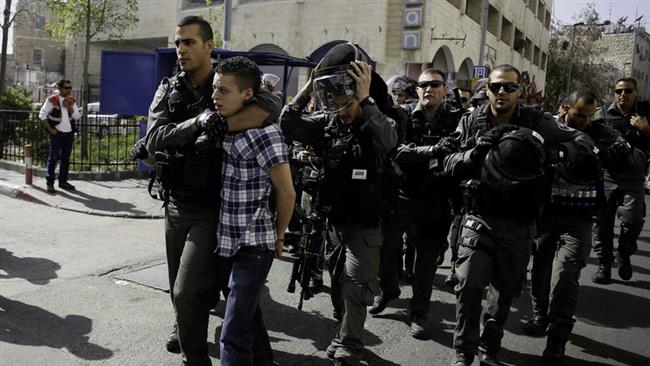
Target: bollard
28, 164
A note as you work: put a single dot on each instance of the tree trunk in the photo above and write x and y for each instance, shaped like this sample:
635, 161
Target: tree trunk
85, 89
5, 39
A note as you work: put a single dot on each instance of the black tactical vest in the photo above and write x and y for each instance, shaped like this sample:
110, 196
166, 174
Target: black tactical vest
194, 177
353, 186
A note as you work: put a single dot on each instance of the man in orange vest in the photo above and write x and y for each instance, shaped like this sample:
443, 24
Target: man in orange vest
57, 114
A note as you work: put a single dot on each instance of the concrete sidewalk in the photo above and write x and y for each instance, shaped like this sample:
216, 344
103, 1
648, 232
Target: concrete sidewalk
124, 198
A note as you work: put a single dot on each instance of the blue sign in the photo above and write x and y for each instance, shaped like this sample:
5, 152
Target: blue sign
413, 17
481, 72
411, 40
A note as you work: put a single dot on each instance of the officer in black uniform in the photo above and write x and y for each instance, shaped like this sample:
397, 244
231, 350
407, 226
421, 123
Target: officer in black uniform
626, 196
498, 230
565, 228
353, 139
403, 90
421, 209
191, 177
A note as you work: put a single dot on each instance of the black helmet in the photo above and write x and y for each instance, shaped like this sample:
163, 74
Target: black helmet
479, 93
518, 156
580, 168
331, 79
402, 83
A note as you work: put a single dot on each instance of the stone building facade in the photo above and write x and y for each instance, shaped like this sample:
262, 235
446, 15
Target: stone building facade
629, 53
37, 58
402, 36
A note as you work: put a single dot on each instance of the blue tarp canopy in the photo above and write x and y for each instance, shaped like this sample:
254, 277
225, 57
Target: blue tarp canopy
129, 79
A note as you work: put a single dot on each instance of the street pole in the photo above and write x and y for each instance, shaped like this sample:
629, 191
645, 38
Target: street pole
568, 82
227, 20
484, 21
573, 38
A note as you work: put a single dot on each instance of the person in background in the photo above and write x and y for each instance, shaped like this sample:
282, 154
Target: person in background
57, 114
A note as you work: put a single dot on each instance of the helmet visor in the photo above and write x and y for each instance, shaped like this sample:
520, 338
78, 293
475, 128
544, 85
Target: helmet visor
333, 91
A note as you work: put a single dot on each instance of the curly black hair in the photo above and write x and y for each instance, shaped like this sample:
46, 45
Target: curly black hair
246, 72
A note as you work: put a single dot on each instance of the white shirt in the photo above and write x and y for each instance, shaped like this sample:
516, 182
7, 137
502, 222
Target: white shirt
65, 125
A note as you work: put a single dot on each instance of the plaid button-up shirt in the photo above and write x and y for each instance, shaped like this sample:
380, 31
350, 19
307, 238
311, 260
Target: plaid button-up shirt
245, 218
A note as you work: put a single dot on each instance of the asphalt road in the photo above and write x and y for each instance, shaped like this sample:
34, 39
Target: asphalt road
62, 303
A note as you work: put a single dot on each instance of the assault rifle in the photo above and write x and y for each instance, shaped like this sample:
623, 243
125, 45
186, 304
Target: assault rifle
311, 244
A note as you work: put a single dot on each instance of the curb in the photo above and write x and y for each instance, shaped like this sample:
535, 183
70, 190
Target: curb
19, 192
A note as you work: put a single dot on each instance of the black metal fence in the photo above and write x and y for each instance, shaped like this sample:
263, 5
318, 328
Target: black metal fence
108, 141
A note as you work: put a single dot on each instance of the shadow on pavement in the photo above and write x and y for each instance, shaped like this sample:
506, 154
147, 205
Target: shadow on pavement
298, 324
605, 351
637, 269
25, 324
510, 357
96, 203
38, 271
595, 306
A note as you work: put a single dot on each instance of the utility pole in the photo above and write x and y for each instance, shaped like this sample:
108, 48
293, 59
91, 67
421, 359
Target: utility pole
573, 38
227, 20
484, 24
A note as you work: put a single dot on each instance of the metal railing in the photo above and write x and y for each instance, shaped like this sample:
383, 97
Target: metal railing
109, 139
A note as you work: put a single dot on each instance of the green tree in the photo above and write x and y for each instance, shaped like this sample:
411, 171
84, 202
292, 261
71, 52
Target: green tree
8, 20
570, 54
215, 16
90, 20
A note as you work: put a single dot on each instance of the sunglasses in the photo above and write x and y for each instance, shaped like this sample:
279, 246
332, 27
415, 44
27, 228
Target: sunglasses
626, 90
431, 83
463, 99
507, 87
67, 88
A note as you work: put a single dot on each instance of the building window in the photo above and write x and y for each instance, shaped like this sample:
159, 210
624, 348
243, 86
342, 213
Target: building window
37, 57
493, 21
540, 12
528, 53
547, 20
506, 31
473, 10
537, 56
456, 3
520, 42
543, 62
532, 4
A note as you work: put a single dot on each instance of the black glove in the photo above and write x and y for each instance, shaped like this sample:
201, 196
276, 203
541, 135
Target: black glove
210, 120
619, 149
494, 134
445, 146
139, 150
488, 139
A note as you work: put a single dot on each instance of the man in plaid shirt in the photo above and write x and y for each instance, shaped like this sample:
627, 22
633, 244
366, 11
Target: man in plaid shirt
248, 234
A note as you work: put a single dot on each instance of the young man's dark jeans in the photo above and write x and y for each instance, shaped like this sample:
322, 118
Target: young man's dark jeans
60, 149
244, 339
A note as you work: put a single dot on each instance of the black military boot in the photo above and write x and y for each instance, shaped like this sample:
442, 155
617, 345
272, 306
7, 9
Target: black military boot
536, 325
554, 352
382, 301
462, 359
172, 344
487, 358
452, 279
625, 267
603, 275
419, 328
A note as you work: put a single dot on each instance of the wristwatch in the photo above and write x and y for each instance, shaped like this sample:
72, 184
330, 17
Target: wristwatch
367, 101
